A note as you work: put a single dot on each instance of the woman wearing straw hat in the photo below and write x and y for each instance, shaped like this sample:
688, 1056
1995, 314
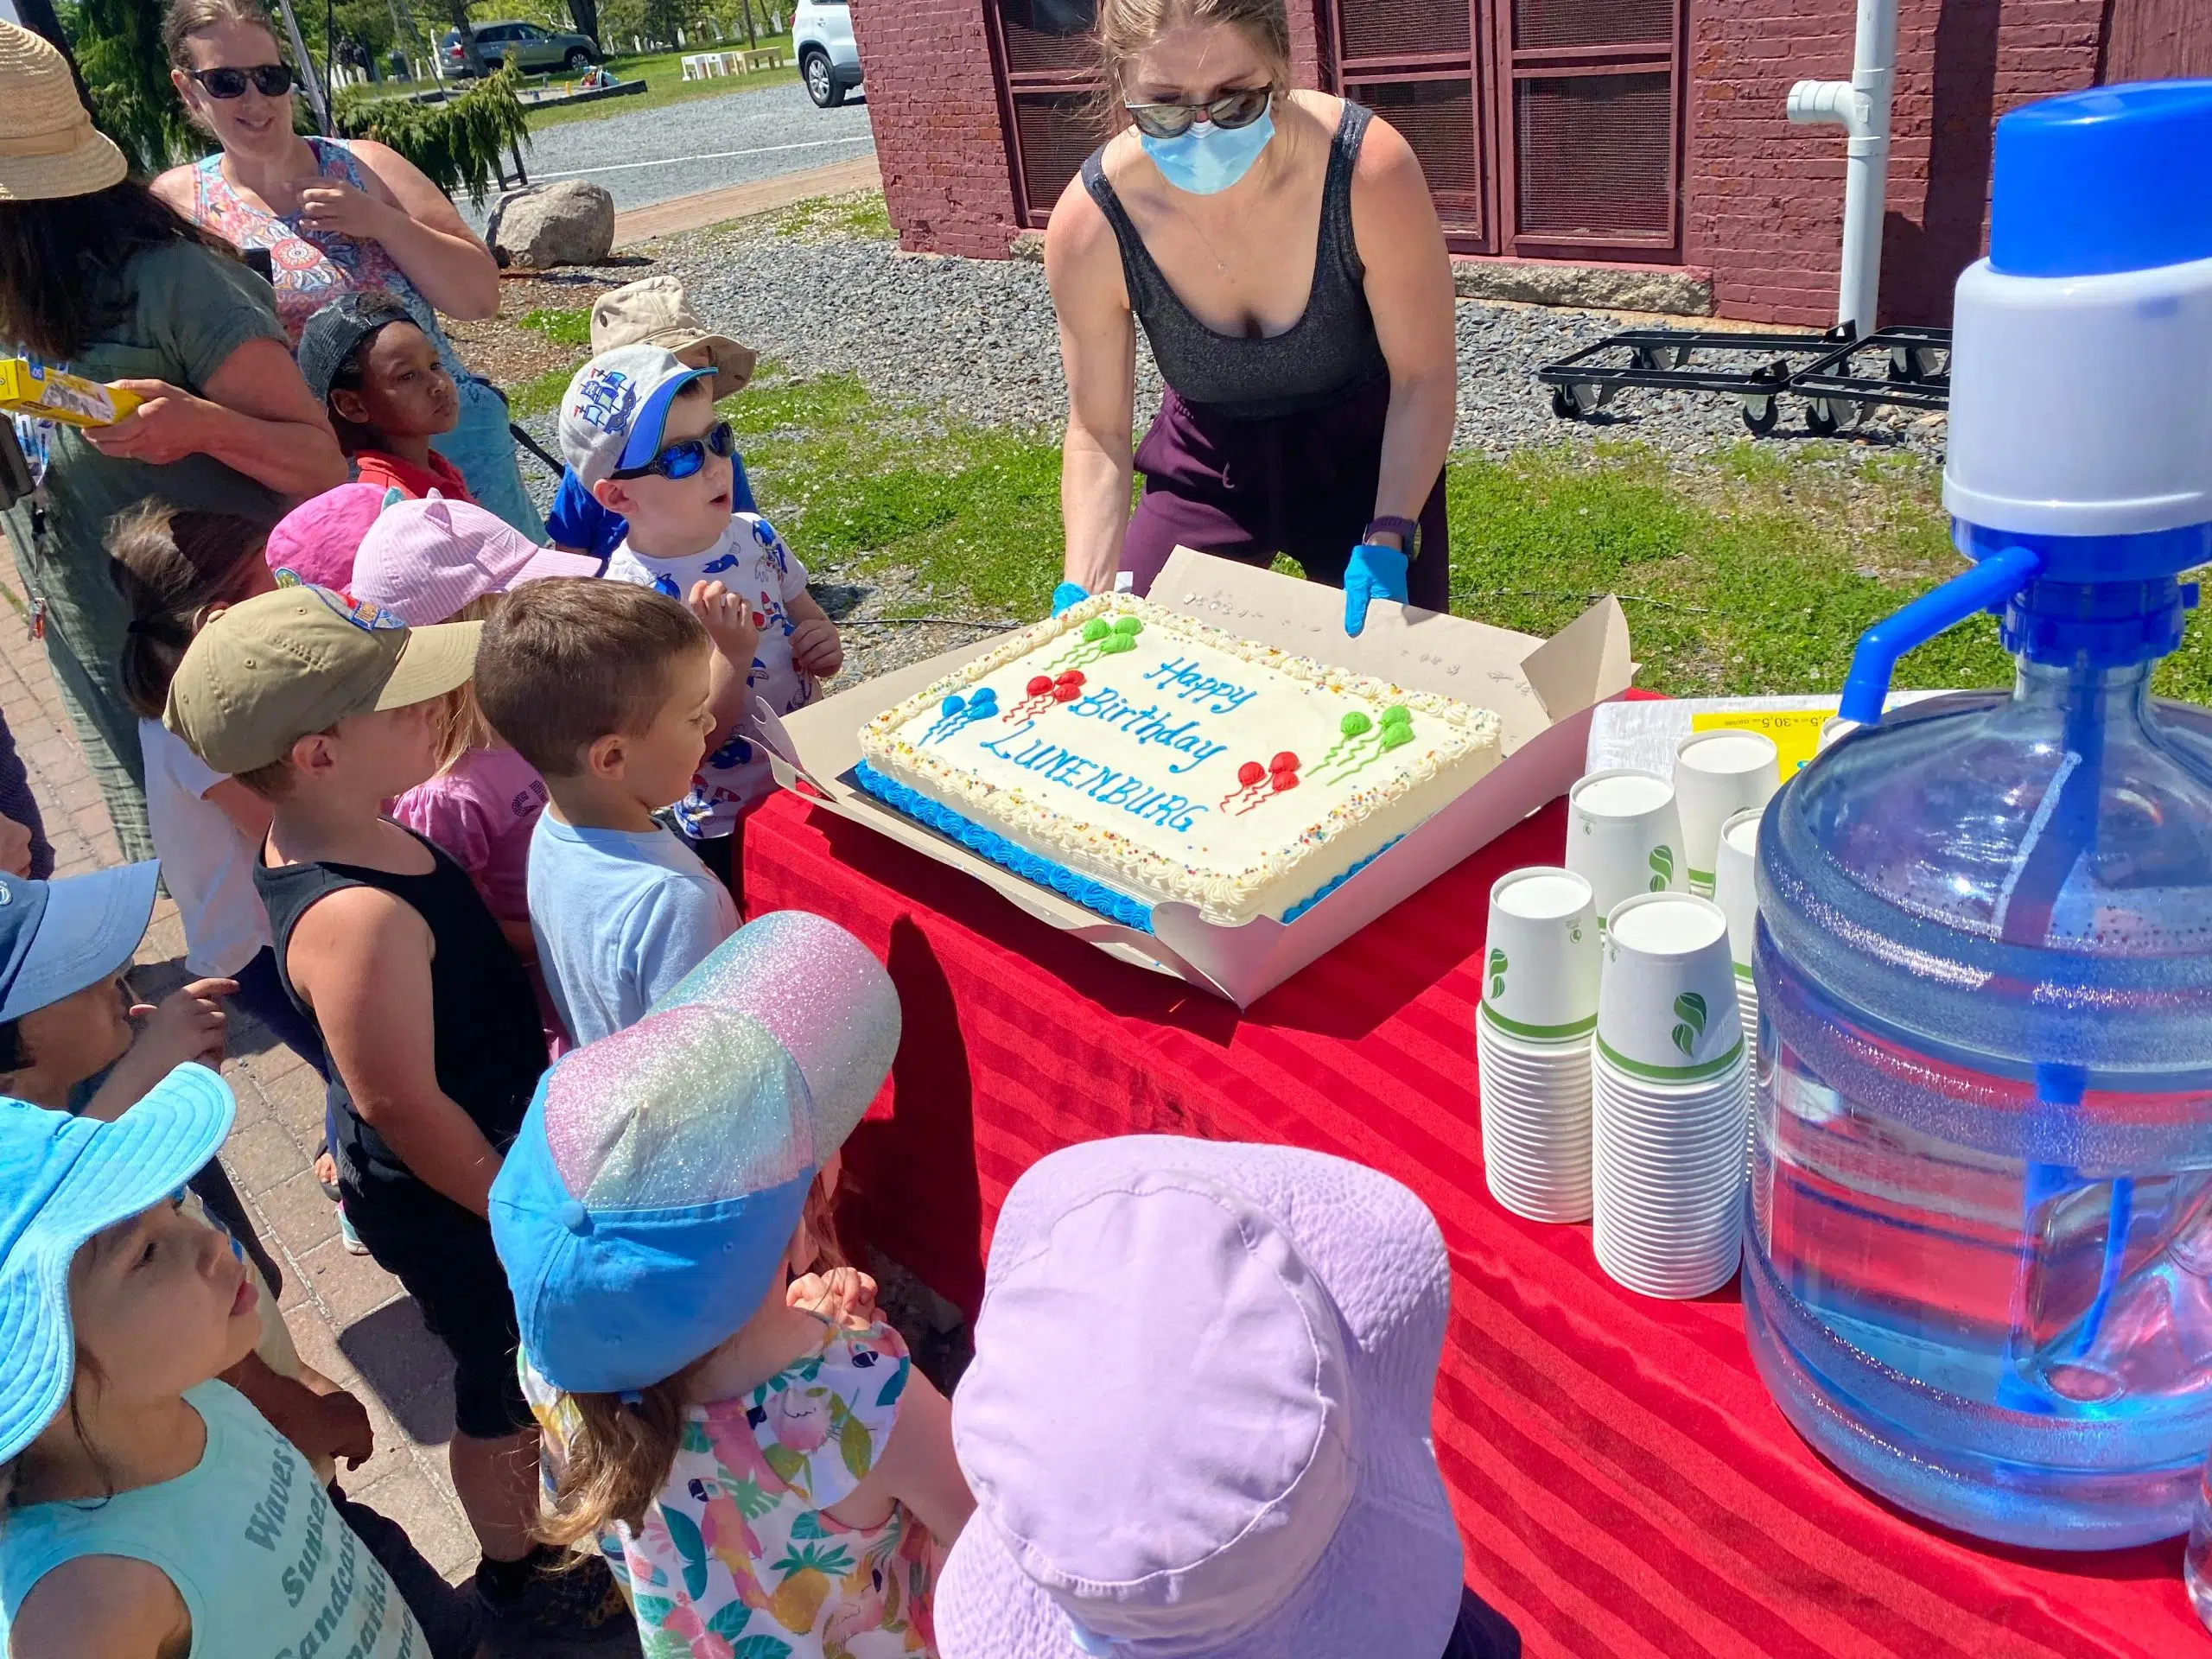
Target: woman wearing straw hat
336, 216
97, 276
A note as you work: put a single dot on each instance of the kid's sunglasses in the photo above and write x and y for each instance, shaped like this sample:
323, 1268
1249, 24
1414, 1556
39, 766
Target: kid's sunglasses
683, 460
270, 80
1230, 111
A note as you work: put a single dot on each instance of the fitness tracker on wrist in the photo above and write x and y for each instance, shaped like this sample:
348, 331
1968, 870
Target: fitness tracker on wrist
1407, 531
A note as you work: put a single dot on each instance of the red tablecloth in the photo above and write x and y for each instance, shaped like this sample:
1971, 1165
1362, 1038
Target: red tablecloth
1624, 1485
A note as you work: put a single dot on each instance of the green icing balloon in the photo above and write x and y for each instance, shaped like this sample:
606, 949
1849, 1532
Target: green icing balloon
1398, 714
1394, 735
1118, 644
1095, 630
1128, 624
1354, 724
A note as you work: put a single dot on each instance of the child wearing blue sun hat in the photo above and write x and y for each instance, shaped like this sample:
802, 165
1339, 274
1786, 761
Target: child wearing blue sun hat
767, 1478
149, 1509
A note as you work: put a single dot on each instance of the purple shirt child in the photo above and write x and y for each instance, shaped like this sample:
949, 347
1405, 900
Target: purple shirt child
481, 809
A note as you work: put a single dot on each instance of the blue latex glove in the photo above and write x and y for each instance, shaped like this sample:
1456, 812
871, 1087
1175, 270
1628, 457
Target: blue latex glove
1373, 572
1067, 594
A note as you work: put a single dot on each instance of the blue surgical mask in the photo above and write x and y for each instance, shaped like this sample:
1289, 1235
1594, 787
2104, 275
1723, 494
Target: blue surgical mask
1207, 159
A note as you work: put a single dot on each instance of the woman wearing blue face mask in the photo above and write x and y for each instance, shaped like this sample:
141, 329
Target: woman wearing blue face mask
1309, 402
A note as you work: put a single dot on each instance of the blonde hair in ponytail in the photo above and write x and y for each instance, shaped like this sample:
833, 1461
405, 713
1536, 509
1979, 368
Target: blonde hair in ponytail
617, 1457
1128, 28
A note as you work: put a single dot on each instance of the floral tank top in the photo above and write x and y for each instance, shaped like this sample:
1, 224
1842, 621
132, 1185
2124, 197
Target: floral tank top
736, 1559
311, 268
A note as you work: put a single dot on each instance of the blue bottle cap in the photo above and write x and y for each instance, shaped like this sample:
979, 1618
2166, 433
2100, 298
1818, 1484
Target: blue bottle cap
2113, 179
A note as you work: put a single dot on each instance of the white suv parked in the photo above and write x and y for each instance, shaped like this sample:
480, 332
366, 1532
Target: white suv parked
829, 62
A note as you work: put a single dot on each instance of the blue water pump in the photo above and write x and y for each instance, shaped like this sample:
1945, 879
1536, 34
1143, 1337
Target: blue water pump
1979, 1269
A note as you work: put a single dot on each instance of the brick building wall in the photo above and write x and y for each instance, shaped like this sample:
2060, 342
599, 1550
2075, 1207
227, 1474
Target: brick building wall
1762, 201
933, 100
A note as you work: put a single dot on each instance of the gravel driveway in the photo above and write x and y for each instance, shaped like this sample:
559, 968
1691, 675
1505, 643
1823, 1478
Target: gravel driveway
976, 338
649, 156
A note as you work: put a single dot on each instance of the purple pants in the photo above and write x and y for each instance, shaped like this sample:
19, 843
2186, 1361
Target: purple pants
1247, 490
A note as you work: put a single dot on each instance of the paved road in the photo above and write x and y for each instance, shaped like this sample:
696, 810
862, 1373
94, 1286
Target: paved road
705, 144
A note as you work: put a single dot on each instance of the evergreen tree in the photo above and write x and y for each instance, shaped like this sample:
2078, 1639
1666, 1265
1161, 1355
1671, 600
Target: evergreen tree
118, 48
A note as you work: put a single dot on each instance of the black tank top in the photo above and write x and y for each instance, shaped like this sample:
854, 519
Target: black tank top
489, 1046
1329, 352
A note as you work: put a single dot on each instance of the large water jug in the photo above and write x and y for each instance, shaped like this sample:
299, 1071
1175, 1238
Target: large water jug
1978, 1272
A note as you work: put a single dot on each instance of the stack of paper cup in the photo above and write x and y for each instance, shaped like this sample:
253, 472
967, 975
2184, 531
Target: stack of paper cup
1532, 1043
1670, 1100
1735, 890
1623, 835
1716, 773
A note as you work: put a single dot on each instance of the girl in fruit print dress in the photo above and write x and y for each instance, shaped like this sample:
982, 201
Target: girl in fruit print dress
767, 1473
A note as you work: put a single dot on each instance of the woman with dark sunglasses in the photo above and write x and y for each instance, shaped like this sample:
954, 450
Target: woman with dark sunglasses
337, 216
1310, 397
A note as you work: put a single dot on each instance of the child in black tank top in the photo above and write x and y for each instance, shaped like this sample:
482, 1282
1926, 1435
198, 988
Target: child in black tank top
327, 707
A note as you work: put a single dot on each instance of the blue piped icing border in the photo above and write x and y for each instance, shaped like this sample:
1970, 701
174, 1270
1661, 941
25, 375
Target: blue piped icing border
1114, 905
1328, 887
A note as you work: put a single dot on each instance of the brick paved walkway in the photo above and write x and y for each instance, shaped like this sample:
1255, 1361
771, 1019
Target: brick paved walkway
349, 1318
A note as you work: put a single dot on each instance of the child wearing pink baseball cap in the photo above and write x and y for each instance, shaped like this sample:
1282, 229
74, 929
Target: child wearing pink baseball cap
316, 540
439, 561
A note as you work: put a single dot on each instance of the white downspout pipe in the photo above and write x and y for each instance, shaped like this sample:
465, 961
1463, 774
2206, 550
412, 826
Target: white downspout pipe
1861, 107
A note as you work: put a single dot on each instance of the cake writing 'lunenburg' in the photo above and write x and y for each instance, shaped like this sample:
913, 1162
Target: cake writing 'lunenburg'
1126, 755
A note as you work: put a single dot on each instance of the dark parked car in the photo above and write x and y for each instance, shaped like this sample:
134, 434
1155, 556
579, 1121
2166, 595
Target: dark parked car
528, 48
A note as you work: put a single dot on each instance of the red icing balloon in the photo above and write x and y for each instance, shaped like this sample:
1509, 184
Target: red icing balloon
1066, 693
1284, 762
1073, 676
1285, 780
1040, 685
1249, 773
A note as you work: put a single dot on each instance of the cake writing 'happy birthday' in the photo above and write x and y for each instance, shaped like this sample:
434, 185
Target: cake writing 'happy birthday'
1126, 755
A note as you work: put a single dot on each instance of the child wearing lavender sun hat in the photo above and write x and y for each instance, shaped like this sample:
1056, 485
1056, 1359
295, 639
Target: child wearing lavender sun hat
1196, 1425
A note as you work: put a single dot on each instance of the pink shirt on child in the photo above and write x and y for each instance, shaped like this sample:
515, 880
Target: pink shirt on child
481, 809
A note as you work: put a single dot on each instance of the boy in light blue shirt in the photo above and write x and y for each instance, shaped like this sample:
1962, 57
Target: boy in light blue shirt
607, 688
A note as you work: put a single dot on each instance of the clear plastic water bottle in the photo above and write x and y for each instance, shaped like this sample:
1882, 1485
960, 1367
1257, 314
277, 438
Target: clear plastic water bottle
1979, 1262
2196, 1560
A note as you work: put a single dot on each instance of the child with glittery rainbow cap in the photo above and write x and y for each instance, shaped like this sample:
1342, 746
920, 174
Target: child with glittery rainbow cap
756, 1457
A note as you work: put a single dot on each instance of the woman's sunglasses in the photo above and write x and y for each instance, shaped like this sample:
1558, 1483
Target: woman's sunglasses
270, 80
1229, 111
681, 460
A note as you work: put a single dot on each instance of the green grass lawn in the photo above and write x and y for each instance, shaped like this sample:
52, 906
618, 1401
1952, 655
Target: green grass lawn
663, 74
1750, 572
1753, 572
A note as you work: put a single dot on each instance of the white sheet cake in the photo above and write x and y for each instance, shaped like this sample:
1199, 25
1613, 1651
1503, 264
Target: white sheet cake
1126, 755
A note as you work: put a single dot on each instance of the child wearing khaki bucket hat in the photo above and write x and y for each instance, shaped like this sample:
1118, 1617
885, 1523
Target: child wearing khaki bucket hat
652, 311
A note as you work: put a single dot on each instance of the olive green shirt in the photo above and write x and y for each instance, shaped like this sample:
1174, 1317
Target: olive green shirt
186, 309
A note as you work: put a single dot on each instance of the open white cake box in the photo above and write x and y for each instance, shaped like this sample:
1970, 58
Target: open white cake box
1542, 689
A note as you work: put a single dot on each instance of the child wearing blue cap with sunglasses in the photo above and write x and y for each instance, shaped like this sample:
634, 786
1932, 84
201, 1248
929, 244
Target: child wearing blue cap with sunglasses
768, 1480
149, 1512
639, 431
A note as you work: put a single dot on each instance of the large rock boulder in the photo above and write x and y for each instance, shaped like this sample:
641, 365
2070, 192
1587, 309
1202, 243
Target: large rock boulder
569, 222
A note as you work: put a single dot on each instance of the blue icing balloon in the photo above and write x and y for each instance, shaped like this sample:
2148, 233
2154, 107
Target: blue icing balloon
985, 697
950, 706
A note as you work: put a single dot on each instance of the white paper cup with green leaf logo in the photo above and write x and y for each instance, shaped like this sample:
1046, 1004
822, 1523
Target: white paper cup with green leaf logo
1667, 993
1718, 773
1623, 835
1735, 889
1540, 962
